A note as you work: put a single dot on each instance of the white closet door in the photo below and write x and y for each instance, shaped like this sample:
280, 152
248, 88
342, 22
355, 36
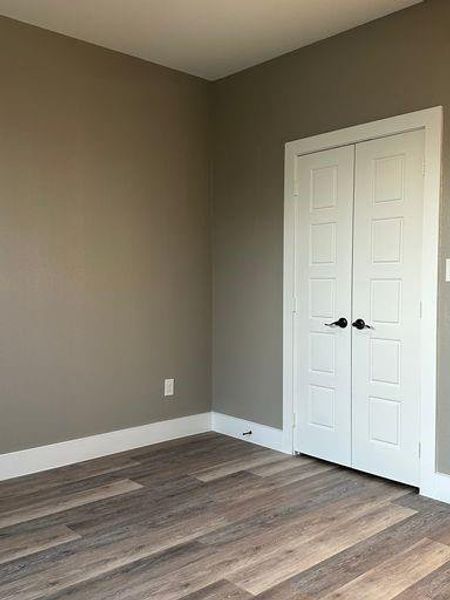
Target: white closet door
324, 264
386, 295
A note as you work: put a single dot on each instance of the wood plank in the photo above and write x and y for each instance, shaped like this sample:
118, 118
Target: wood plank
233, 466
181, 506
221, 590
420, 503
162, 467
116, 561
130, 581
31, 484
54, 493
298, 557
42, 509
436, 585
282, 464
342, 568
300, 473
442, 533
282, 527
305, 496
186, 445
19, 546
135, 583
223, 560
392, 577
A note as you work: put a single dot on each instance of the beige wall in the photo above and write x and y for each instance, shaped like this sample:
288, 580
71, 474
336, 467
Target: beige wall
395, 65
104, 239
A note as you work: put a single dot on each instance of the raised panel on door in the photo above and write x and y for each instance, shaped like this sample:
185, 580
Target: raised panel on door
386, 295
323, 281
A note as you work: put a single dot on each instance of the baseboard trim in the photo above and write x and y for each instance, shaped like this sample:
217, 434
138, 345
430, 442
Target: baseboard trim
437, 487
262, 435
43, 458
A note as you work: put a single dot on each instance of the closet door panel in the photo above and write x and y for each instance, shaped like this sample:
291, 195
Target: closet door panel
323, 280
386, 296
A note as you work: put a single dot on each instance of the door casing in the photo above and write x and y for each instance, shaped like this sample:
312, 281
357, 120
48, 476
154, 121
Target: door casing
432, 483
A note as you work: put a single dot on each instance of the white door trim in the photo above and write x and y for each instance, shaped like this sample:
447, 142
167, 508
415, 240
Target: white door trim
431, 120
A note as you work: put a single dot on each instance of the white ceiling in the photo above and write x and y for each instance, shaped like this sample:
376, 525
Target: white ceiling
209, 38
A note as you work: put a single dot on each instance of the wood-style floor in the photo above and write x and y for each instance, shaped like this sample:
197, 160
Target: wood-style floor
208, 518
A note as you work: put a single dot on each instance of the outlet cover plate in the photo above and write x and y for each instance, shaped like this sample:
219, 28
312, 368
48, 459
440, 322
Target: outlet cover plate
169, 387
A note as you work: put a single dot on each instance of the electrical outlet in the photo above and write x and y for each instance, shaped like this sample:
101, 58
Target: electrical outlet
169, 387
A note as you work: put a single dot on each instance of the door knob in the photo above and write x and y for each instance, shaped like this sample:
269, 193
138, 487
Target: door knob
342, 323
361, 324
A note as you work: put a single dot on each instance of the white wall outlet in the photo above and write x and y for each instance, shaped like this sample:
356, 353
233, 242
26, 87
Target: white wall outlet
447, 269
169, 387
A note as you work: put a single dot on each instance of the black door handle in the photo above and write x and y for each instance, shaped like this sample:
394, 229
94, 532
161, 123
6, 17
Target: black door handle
342, 323
361, 324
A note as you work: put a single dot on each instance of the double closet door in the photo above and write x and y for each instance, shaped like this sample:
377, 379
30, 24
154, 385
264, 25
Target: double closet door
359, 238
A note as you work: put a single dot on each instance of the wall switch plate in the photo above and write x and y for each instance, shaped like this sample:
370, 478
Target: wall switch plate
447, 269
169, 387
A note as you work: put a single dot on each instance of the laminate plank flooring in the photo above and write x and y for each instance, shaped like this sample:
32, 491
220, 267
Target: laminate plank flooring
212, 518
397, 574
38, 509
18, 546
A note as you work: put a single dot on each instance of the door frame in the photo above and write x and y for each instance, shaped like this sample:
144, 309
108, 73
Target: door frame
432, 483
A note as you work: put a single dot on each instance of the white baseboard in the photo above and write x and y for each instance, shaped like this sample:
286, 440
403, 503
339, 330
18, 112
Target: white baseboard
263, 435
437, 487
42, 458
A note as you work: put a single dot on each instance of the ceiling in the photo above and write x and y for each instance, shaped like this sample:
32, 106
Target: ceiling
209, 38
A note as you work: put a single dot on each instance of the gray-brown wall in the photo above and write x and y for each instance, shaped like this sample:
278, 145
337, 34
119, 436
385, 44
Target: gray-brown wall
395, 65
104, 240
105, 284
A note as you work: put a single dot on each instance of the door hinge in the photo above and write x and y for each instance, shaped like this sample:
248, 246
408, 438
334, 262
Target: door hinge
294, 420
424, 167
420, 309
420, 449
294, 304
296, 186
